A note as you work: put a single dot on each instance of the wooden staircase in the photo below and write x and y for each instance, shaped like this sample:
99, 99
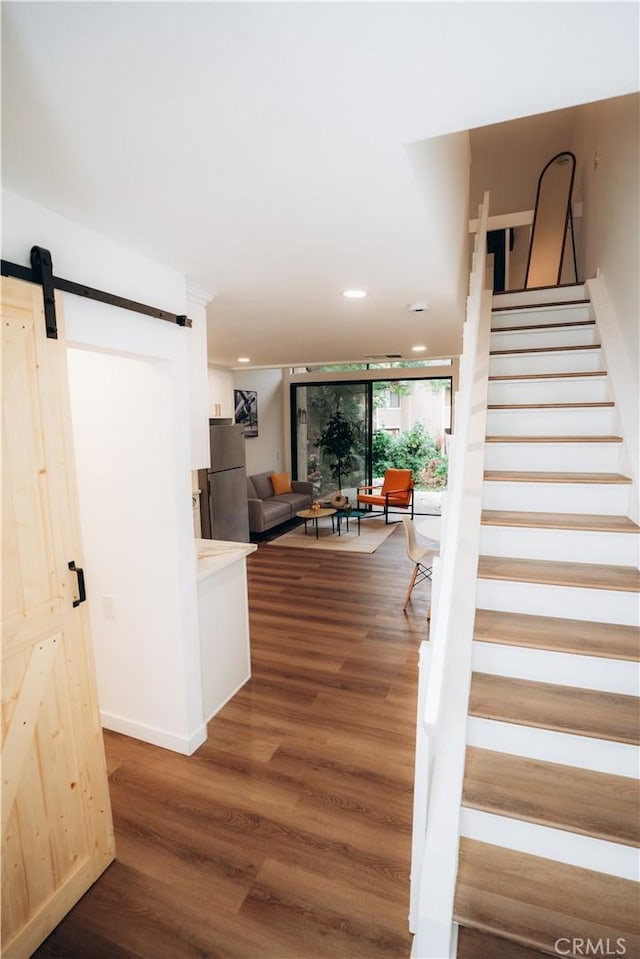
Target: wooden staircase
550, 821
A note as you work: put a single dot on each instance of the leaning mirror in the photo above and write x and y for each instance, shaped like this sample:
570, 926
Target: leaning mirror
552, 218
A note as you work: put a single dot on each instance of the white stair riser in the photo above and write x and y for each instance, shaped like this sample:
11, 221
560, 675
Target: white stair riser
562, 546
585, 852
576, 389
538, 298
531, 317
571, 602
576, 421
608, 499
584, 752
535, 339
564, 669
553, 457
570, 361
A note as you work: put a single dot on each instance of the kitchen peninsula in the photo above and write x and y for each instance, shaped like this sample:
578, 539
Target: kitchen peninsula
223, 616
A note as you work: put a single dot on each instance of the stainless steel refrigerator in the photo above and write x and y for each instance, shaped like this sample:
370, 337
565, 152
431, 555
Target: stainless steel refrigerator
224, 512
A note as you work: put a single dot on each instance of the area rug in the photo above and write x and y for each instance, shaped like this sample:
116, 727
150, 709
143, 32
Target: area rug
373, 533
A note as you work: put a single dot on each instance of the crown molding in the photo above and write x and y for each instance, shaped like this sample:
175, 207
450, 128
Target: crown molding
199, 294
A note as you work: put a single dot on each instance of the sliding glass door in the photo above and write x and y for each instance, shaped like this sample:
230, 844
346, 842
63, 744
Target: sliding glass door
330, 424
345, 434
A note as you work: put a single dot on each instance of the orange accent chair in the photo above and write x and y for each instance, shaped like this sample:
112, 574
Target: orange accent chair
396, 492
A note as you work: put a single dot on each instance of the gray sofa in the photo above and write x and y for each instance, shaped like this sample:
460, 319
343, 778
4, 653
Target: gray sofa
267, 510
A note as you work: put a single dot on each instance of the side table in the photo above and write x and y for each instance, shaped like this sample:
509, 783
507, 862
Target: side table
348, 514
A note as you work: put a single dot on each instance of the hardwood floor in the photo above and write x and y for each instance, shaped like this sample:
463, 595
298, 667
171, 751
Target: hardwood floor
288, 833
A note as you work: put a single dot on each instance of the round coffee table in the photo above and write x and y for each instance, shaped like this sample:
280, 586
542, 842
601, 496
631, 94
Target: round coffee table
314, 515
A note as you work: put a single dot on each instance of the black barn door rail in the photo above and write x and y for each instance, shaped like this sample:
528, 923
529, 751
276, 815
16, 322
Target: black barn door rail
41, 272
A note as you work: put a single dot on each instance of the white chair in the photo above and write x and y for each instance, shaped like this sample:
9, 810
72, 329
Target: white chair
420, 555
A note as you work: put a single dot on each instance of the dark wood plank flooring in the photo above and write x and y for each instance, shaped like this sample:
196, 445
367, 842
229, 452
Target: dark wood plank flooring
288, 833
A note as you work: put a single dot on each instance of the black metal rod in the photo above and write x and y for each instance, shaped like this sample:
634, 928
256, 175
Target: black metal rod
79, 289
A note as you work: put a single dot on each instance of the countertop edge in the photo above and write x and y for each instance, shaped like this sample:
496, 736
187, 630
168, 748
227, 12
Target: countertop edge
221, 555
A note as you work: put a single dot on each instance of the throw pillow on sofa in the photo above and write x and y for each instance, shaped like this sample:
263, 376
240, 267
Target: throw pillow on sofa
281, 483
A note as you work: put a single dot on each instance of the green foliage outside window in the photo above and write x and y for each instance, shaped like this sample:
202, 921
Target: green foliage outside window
416, 450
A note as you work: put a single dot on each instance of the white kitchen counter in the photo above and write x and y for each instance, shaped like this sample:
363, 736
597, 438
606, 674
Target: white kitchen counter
223, 614
214, 554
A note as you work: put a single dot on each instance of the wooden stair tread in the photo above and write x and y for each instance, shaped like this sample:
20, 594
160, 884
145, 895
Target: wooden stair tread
546, 376
569, 709
562, 797
549, 406
541, 326
546, 305
570, 521
582, 637
535, 901
473, 944
553, 439
544, 349
624, 579
534, 476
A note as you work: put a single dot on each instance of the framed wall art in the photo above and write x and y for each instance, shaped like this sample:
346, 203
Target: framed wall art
246, 410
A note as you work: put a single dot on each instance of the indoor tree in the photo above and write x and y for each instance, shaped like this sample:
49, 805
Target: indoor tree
337, 438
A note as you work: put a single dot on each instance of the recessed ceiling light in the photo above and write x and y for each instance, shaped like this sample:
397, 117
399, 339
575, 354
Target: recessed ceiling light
244, 359
354, 294
418, 349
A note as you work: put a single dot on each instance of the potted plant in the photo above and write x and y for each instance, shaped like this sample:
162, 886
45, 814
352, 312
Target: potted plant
337, 438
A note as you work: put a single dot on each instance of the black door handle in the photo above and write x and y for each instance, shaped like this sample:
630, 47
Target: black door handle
81, 587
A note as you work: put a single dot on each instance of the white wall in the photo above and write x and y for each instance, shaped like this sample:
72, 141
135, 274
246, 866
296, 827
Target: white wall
446, 161
507, 158
134, 378
266, 451
607, 147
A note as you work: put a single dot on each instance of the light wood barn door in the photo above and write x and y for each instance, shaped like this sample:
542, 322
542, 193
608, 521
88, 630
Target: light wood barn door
57, 832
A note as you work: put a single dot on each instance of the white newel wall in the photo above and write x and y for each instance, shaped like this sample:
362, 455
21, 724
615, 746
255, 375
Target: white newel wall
197, 299
129, 383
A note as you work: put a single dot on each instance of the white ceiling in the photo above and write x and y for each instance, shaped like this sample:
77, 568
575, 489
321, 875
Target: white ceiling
278, 153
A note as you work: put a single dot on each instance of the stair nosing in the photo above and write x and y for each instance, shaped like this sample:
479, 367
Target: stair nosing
497, 438
544, 349
558, 521
564, 774
555, 634
557, 573
548, 721
567, 324
547, 305
578, 479
500, 377
601, 404
488, 908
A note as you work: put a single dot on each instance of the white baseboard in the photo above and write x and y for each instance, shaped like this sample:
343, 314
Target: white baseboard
157, 737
